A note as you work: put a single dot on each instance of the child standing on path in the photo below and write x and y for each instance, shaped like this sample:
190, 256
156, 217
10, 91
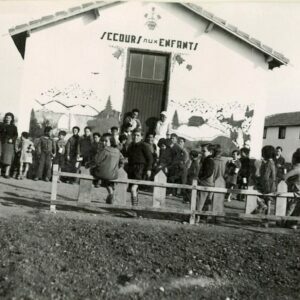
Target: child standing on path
206, 176
232, 169
61, 150
292, 179
46, 150
267, 182
192, 174
140, 161
26, 149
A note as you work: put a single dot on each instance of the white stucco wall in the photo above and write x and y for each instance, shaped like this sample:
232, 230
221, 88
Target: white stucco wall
225, 71
289, 144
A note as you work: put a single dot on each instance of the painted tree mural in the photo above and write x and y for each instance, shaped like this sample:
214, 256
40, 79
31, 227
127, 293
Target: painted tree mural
175, 120
232, 119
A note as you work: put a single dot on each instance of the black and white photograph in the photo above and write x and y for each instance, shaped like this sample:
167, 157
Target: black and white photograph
149, 150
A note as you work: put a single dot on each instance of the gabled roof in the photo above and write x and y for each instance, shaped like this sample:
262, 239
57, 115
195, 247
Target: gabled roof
19, 33
284, 119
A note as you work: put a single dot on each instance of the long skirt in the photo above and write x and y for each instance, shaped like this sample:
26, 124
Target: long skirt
7, 154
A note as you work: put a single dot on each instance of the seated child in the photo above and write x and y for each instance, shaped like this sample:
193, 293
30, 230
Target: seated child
292, 179
27, 148
106, 164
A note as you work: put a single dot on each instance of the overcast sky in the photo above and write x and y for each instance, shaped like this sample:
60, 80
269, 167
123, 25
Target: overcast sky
277, 24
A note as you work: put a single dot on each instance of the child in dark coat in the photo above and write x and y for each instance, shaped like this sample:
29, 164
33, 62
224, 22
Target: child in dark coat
85, 146
72, 152
292, 179
192, 174
60, 157
140, 161
46, 151
206, 176
267, 181
232, 169
165, 156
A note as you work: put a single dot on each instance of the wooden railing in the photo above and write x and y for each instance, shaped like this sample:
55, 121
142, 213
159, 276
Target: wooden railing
160, 185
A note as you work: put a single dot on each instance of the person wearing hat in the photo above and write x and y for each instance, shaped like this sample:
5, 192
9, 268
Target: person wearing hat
162, 128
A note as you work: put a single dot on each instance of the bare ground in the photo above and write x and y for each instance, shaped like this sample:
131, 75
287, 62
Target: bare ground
105, 255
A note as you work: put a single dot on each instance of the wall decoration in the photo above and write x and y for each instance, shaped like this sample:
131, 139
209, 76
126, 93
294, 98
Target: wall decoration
152, 19
209, 122
106, 119
181, 60
63, 108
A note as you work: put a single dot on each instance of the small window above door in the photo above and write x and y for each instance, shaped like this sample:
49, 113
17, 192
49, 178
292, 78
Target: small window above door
147, 66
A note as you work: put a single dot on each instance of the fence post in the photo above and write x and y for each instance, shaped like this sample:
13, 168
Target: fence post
159, 193
218, 198
121, 189
280, 204
251, 202
85, 187
55, 177
193, 202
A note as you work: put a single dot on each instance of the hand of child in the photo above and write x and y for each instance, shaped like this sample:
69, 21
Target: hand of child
148, 174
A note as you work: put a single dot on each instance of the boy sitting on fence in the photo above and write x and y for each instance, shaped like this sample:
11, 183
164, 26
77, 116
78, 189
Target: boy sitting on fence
106, 164
292, 179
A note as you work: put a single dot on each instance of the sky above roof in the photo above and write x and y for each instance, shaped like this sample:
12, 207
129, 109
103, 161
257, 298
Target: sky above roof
274, 23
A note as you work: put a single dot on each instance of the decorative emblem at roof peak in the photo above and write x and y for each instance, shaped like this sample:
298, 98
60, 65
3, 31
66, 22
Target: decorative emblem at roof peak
152, 19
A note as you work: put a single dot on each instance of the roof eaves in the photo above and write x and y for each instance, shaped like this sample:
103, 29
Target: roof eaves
238, 33
73, 11
58, 16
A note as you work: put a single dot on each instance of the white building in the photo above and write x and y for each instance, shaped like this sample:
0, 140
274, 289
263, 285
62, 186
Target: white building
151, 56
283, 130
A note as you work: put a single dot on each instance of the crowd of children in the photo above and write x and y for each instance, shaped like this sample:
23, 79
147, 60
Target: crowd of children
143, 158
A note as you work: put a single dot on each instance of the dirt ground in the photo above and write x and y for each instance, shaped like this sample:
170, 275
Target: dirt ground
103, 255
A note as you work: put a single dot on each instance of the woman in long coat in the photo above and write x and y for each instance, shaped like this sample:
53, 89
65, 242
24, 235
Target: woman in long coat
8, 136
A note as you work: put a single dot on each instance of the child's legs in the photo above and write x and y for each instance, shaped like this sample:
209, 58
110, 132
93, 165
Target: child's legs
48, 166
201, 200
26, 169
7, 170
21, 168
134, 189
41, 166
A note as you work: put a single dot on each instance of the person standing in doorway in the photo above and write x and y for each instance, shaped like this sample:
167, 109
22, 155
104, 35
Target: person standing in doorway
162, 128
133, 119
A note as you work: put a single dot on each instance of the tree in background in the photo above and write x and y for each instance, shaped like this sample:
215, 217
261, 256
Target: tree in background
175, 120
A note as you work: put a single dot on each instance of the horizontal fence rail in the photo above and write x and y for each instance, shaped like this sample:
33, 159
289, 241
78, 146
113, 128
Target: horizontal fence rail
159, 194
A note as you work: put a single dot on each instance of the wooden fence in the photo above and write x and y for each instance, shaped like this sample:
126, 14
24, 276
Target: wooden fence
216, 209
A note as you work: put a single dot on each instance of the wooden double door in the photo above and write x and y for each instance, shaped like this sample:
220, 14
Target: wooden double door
146, 85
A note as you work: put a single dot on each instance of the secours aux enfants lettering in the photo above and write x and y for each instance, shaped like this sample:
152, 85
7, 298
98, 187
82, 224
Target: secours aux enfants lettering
139, 39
